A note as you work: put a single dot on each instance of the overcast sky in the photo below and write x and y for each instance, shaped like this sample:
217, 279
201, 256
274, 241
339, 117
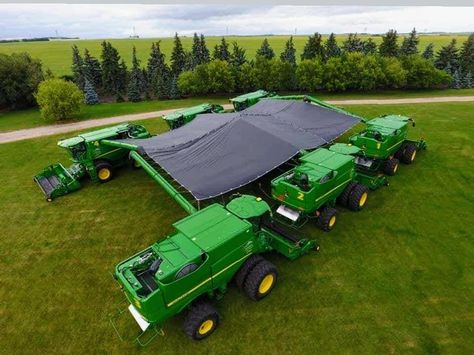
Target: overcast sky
115, 21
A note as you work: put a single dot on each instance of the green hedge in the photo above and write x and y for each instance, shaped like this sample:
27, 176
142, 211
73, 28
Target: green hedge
352, 71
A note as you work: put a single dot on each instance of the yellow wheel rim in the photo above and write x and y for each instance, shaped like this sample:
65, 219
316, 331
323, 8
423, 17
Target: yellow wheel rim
104, 174
206, 327
332, 221
363, 199
395, 168
266, 284
413, 156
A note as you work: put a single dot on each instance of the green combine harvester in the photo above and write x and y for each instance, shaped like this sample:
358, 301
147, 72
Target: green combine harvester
183, 116
311, 189
196, 263
89, 157
380, 148
243, 101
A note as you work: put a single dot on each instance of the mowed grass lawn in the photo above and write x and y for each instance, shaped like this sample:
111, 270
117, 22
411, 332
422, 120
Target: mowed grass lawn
57, 54
13, 120
396, 277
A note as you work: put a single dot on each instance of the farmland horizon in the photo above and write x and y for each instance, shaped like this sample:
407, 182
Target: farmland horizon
190, 35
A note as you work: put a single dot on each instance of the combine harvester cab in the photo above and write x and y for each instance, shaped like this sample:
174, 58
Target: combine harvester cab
181, 117
89, 157
311, 189
380, 148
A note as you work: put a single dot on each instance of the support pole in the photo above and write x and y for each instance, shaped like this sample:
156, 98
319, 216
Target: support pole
180, 199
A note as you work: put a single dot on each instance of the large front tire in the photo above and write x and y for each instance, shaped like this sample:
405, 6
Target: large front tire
245, 269
358, 197
327, 219
104, 170
344, 196
201, 321
409, 153
261, 280
391, 166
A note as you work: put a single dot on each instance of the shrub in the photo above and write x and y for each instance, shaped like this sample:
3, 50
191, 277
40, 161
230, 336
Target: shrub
309, 75
20, 76
421, 74
244, 78
187, 82
283, 75
371, 75
363, 71
393, 74
59, 99
262, 71
215, 77
335, 75
220, 77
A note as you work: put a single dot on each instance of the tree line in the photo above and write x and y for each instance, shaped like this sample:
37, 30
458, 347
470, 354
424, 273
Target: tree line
356, 64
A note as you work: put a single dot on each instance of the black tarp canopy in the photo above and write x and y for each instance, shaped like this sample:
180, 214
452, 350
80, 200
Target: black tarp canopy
217, 153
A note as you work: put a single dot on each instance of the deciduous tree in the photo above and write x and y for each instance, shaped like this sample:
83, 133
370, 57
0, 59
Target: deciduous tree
59, 99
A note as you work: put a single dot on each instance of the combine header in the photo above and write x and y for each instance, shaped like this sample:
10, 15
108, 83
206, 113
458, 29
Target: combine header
89, 157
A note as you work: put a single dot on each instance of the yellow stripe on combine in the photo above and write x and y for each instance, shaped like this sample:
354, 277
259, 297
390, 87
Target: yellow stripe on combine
204, 282
338, 186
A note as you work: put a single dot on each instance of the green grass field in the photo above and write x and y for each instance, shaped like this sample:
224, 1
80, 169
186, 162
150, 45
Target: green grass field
30, 118
13, 120
396, 277
57, 54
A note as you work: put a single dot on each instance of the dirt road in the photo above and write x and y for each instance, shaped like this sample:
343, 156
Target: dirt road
50, 130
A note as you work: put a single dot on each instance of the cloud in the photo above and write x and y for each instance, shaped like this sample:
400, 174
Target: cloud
111, 21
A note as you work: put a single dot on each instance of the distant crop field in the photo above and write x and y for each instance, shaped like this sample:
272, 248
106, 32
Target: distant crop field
56, 55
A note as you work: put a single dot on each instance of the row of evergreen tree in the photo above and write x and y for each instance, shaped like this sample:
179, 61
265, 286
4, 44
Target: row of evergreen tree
110, 76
